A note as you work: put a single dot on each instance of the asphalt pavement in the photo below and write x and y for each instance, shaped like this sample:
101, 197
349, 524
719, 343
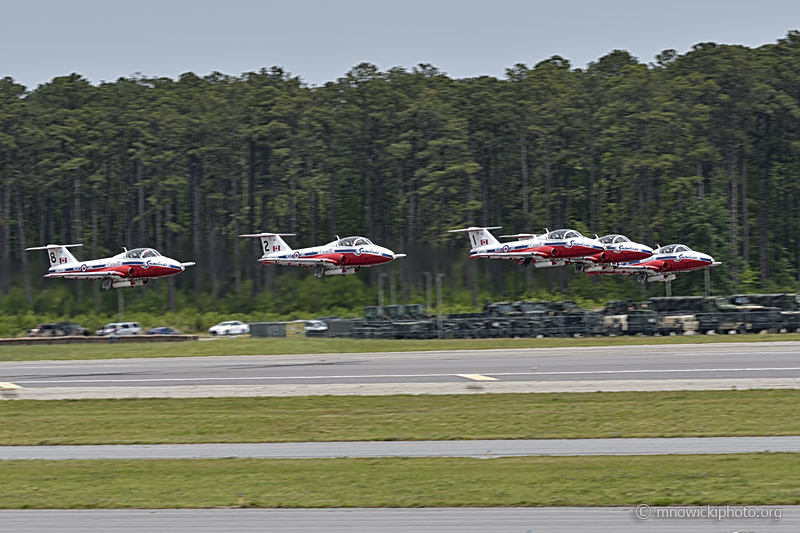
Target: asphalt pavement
444, 520
674, 367
448, 448
695, 361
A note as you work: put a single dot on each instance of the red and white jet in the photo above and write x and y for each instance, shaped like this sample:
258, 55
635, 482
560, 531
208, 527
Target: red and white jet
618, 248
131, 268
666, 264
341, 257
555, 248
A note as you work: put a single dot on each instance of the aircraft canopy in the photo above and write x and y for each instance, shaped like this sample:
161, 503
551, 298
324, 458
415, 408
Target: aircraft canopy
673, 249
614, 239
564, 234
353, 241
141, 253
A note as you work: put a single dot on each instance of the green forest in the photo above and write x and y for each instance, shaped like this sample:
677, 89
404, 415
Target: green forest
701, 149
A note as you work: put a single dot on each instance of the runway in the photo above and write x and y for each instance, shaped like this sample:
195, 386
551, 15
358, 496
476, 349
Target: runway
481, 449
434, 520
659, 367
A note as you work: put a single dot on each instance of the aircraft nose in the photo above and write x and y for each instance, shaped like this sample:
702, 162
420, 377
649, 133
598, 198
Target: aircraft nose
392, 254
647, 250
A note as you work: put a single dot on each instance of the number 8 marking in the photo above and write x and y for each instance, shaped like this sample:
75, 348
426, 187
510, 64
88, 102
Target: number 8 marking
52, 257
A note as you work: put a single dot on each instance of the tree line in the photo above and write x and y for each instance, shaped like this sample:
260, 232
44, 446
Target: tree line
701, 148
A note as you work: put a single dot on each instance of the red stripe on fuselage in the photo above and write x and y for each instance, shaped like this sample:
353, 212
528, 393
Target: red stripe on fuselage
139, 271
684, 265
352, 259
563, 251
619, 257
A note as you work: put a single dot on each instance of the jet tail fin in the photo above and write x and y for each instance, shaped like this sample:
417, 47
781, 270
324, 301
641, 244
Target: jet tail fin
479, 236
58, 253
272, 242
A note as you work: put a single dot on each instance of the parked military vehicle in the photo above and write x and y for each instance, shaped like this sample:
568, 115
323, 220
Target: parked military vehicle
625, 317
787, 305
679, 315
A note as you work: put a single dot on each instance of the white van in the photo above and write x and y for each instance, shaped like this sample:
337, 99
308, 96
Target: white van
120, 328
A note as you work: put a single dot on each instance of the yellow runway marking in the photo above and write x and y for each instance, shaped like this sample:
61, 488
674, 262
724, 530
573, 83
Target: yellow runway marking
477, 377
9, 386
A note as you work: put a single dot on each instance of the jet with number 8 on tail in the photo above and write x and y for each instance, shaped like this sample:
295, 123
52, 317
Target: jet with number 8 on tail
131, 268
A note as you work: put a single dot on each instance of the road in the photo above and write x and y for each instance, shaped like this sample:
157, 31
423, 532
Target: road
448, 448
664, 367
695, 361
445, 520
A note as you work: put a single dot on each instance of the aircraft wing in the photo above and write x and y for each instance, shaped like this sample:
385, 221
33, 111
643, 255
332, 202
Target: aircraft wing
621, 269
299, 261
637, 268
85, 275
510, 255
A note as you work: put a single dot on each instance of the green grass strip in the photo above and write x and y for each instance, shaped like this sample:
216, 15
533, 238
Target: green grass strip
754, 479
254, 346
433, 417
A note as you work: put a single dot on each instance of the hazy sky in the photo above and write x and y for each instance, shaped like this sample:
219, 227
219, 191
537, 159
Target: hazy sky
320, 40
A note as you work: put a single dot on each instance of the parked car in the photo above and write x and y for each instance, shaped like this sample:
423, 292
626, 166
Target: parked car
120, 328
231, 327
163, 331
61, 329
316, 327
70, 328
46, 330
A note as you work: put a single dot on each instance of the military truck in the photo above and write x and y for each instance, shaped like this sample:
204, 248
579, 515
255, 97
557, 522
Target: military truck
394, 312
373, 312
625, 317
505, 309
720, 314
787, 317
678, 315
416, 310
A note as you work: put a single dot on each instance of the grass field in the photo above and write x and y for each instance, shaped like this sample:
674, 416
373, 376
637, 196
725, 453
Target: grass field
349, 418
253, 346
754, 479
